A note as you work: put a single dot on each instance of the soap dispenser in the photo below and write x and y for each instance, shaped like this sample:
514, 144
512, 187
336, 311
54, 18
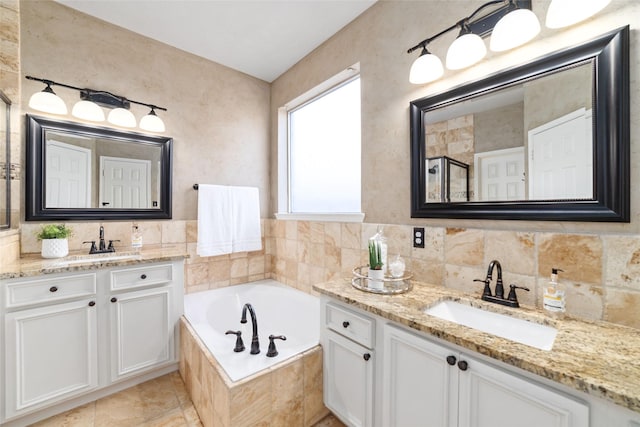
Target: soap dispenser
554, 297
136, 237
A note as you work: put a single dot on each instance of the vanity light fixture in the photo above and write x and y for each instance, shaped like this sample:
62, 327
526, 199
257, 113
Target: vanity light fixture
562, 13
465, 50
89, 106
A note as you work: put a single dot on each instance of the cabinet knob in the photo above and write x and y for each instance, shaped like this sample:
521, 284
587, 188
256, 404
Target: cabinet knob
144, 276
114, 299
366, 356
53, 289
451, 360
92, 303
463, 365
345, 324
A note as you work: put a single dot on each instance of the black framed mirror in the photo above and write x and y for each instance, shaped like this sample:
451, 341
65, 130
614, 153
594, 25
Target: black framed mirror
539, 146
76, 171
5, 161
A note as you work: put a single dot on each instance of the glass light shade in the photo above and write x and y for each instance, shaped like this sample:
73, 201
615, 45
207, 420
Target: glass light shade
465, 51
122, 117
562, 13
88, 110
426, 68
48, 102
152, 123
514, 29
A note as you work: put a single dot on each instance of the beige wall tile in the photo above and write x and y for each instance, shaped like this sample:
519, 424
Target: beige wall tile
151, 232
191, 228
464, 246
622, 307
314, 409
239, 267
579, 256
251, 402
462, 278
197, 274
622, 267
433, 245
515, 250
174, 232
350, 236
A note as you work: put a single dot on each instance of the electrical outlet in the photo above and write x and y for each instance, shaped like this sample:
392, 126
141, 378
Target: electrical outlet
418, 237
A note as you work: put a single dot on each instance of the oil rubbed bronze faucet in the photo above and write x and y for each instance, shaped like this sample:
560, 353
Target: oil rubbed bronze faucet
255, 344
498, 298
102, 246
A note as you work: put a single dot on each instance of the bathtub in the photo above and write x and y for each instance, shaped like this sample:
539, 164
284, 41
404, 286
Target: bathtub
280, 310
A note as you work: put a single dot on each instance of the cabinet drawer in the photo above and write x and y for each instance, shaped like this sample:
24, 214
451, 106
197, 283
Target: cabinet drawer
30, 292
352, 325
141, 277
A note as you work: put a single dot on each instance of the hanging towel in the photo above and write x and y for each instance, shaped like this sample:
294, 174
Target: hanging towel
228, 220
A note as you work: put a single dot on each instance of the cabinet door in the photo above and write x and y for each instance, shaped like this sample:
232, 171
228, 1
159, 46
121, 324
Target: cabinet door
420, 386
348, 380
50, 354
141, 331
491, 397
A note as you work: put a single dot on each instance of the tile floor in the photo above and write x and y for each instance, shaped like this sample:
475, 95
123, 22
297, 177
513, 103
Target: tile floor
161, 402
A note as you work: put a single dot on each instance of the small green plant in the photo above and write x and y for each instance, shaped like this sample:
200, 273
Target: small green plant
375, 256
54, 231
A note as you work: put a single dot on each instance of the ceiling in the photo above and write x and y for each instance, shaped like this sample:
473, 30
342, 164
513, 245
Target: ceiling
262, 38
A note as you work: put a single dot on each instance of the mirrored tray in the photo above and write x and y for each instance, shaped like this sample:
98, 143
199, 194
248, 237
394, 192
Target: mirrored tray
391, 285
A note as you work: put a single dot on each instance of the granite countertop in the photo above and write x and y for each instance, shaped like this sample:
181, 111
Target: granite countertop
598, 358
35, 265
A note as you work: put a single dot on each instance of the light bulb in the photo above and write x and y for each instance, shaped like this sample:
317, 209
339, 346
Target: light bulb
562, 13
88, 110
514, 29
465, 51
426, 68
152, 122
122, 117
47, 101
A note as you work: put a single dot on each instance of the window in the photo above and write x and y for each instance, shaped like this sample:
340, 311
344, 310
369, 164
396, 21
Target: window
322, 145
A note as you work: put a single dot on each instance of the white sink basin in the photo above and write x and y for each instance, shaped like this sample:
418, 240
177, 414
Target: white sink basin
511, 328
81, 259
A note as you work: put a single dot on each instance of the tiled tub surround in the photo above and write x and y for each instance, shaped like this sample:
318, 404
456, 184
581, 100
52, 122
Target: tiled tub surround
598, 358
287, 394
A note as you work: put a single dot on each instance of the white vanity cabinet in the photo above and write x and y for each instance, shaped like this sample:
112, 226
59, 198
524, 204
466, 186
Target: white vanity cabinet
349, 360
425, 383
77, 336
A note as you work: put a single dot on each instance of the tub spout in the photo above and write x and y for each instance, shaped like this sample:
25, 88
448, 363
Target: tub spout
255, 344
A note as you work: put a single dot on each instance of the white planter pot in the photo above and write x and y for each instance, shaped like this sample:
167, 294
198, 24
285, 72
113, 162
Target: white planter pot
375, 279
55, 248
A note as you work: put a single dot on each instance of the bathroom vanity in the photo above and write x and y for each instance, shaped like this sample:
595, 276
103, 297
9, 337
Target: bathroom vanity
77, 331
388, 363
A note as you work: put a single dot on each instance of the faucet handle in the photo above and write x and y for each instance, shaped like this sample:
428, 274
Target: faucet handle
487, 290
272, 352
512, 293
93, 249
111, 248
239, 344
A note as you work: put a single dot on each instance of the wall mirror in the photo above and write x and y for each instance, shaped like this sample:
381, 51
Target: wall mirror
548, 140
78, 171
5, 162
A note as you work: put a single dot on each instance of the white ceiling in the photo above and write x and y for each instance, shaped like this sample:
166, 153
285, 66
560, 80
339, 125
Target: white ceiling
262, 38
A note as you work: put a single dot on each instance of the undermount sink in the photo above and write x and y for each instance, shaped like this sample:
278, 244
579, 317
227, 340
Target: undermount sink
511, 328
109, 256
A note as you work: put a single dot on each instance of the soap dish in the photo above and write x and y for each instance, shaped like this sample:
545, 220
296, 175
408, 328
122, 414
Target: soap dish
390, 285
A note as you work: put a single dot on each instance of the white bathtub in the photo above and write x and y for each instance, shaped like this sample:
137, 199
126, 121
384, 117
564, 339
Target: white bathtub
280, 310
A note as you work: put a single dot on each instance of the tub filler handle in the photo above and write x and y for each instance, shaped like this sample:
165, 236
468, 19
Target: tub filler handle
272, 345
239, 344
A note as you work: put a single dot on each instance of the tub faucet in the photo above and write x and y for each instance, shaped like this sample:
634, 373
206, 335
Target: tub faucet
255, 344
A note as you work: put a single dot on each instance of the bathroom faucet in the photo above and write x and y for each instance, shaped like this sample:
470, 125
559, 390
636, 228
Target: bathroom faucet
511, 300
102, 246
255, 344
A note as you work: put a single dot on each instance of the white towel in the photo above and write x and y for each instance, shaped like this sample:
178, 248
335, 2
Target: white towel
228, 220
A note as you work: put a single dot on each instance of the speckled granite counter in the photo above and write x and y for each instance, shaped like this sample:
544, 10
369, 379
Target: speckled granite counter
35, 265
598, 358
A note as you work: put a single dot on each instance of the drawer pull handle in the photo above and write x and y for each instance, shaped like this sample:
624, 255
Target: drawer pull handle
92, 303
144, 276
114, 299
366, 356
53, 289
463, 365
345, 324
451, 360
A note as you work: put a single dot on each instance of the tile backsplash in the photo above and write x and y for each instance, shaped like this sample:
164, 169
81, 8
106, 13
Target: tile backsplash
601, 272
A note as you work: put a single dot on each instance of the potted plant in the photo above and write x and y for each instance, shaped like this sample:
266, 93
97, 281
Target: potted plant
376, 273
55, 243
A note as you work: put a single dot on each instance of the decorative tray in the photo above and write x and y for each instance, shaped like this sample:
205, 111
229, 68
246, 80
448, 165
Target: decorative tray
390, 285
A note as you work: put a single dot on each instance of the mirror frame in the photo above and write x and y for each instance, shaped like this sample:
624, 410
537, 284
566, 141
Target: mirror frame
610, 56
6, 138
35, 182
